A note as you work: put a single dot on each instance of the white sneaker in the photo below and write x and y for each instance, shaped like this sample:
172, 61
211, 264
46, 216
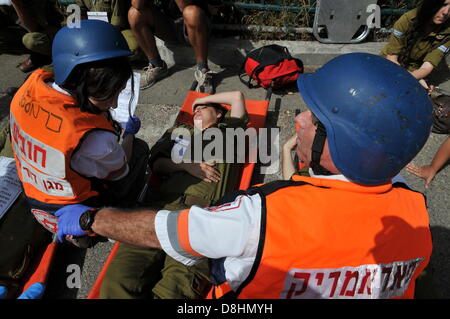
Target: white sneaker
152, 74
204, 80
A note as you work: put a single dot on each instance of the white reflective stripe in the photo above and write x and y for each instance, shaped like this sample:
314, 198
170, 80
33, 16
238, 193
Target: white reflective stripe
41, 156
377, 281
47, 184
164, 231
397, 33
443, 48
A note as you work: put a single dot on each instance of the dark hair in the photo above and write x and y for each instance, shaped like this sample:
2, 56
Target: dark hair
100, 80
426, 11
219, 108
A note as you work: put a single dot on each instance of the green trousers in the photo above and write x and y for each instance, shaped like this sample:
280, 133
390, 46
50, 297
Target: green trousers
145, 273
16, 40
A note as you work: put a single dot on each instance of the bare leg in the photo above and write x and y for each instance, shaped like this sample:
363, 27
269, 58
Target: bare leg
197, 29
142, 23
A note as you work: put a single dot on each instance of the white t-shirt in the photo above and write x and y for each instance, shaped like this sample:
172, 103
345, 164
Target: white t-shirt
99, 155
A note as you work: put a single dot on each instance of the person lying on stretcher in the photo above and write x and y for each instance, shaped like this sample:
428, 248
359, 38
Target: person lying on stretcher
137, 272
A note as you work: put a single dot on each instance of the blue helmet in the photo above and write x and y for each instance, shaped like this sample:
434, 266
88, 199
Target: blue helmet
376, 115
94, 40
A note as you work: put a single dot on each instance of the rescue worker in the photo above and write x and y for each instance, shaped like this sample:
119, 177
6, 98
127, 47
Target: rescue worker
179, 21
421, 39
139, 272
117, 12
344, 232
65, 142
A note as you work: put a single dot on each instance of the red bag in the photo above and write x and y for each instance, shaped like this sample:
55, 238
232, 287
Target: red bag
270, 66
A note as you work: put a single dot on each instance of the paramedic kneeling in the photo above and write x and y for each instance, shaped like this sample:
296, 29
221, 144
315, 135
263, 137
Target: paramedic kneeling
344, 232
65, 140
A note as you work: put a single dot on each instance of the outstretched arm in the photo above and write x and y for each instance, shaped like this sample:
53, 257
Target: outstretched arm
135, 227
234, 98
428, 172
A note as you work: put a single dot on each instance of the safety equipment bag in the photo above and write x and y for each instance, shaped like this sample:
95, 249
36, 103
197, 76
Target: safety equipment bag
270, 66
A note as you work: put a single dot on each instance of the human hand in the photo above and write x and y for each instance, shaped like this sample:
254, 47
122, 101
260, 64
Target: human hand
291, 143
35, 291
205, 171
427, 87
69, 221
3, 292
133, 126
426, 172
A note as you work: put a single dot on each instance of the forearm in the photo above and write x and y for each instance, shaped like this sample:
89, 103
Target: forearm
135, 227
393, 58
234, 98
287, 164
423, 71
442, 156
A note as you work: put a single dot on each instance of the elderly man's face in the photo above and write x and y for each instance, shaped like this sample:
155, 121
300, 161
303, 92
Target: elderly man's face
306, 132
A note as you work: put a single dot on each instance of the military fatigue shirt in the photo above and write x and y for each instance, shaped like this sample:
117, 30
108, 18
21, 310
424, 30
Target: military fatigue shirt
180, 184
117, 10
431, 47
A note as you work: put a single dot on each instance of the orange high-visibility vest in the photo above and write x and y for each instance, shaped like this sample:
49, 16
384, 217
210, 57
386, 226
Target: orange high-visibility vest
46, 128
324, 238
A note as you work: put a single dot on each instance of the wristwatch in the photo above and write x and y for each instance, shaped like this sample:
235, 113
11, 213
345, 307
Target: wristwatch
87, 219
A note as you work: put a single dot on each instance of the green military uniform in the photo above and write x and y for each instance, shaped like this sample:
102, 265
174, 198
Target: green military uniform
21, 236
15, 39
431, 47
138, 272
117, 11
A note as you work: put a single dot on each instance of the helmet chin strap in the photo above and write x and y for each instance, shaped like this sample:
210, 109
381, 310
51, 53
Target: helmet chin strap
317, 149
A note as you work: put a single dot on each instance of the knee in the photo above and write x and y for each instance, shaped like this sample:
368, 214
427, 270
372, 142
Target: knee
136, 18
194, 16
37, 42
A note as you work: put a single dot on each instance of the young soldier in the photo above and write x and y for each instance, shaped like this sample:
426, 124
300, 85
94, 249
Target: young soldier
139, 272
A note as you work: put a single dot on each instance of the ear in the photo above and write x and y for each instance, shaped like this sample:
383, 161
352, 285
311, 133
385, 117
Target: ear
219, 115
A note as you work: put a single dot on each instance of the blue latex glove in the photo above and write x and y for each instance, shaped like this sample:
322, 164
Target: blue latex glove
3, 292
35, 291
133, 126
69, 221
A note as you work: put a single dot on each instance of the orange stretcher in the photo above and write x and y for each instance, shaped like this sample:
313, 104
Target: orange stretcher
40, 268
257, 113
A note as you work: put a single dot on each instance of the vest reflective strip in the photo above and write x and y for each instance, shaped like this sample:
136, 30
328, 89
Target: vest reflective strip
397, 33
362, 282
45, 183
30, 153
45, 158
443, 48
